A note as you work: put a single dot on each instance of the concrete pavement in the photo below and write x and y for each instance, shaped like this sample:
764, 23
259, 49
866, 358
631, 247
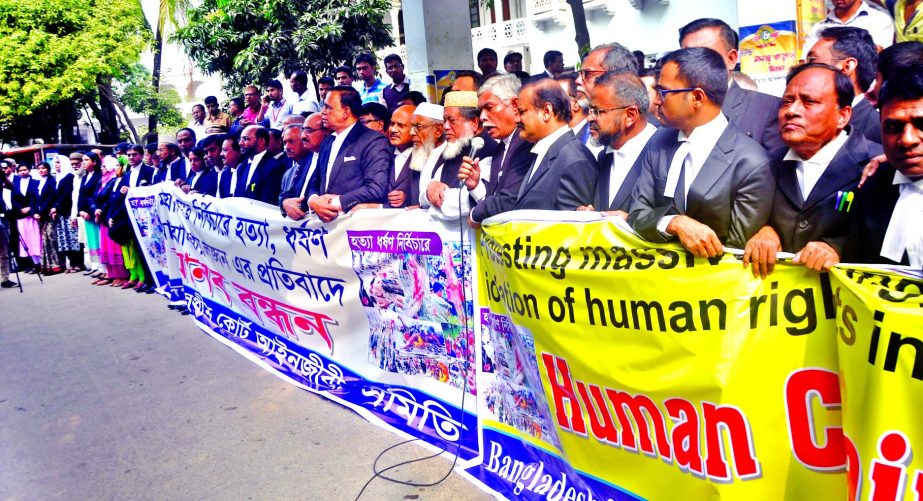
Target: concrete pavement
107, 394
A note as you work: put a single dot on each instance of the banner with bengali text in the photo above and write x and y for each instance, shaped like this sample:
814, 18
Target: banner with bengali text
558, 354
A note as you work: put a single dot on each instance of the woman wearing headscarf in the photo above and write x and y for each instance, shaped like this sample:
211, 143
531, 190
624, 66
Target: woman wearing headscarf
44, 203
86, 206
110, 252
120, 230
24, 198
65, 225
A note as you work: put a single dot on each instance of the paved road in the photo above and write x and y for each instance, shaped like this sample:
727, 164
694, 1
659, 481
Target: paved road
106, 394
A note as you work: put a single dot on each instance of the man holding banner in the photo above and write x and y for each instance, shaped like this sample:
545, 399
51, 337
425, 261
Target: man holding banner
704, 182
817, 174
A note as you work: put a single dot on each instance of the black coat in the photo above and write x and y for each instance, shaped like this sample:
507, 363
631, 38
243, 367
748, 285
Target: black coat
20, 200
755, 114
44, 198
86, 198
359, 172
800, 221
872, 208
266, 183
622, 199
565, 179
506, 175
64, 195
866, 121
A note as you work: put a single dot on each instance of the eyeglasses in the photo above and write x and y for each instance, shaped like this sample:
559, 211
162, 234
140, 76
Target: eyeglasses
251, 94
586, 74
596, 112
666, 92
417, 127
366, 121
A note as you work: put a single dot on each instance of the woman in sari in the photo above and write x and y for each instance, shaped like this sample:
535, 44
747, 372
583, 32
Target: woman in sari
24, 198
64, 223
86, 207
44, 203
121, 232
110, 252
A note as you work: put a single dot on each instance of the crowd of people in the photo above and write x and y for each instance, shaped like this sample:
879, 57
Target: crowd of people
831, 172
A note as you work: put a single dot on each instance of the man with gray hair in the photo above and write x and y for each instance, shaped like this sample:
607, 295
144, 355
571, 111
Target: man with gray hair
498, 100
606, 58
618, 124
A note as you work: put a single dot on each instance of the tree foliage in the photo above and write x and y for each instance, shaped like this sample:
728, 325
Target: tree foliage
135, 90
56, 50
248, 41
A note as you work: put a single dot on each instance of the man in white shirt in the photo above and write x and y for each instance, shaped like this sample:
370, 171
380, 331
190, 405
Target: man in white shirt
857, 14
816, 175
889, 206
275, 108
618, 125
303, 103
703, 182
579, 106
198, 120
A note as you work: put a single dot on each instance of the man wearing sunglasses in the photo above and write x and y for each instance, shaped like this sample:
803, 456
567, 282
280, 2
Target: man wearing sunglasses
703, 182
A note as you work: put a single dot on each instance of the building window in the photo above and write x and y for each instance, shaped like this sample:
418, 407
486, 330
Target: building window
474, 11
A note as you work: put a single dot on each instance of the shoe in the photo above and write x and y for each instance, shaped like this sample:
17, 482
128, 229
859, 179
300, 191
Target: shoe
129, 285
117, 283
8, 284
96, 282
184, 311
56, 270
141, 287
104, 281
88, 273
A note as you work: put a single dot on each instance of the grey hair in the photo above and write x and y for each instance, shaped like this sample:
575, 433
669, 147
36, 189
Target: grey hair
618, 59
627, 88
505, 86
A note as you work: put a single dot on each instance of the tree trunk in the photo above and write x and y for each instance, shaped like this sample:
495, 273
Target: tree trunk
155, 80
583, 34
123, 116
108, 125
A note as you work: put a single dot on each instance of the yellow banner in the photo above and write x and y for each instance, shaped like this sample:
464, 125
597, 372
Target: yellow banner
880, 349
672, 377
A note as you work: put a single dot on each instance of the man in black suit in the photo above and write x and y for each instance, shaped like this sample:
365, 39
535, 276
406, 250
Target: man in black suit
617, 123
313, 135
498, 100
297, 159
886, 225
702, 181
353, 163
753, 113
260, 176
171, 166
563, 174
553, 60
230, 159
201, 179
403, 182
140, 174
852, 51
816, 175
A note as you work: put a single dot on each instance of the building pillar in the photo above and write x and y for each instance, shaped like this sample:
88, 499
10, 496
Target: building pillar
438, 37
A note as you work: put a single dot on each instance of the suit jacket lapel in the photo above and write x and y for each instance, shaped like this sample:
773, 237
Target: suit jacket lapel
344, 152
628, 185
843, 170
544, 167
714, 167
787, 182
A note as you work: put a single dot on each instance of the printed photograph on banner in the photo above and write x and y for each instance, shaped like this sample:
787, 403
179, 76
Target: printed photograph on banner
417, 312
144, 212
509, 393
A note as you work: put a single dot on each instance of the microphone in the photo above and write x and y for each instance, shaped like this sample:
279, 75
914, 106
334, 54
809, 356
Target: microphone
477, 143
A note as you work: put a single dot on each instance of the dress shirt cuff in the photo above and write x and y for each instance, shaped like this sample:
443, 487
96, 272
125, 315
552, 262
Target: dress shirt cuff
335, 201
662, 225
479, 192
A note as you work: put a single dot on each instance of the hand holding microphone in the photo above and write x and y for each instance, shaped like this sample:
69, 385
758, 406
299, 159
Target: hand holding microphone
469, 174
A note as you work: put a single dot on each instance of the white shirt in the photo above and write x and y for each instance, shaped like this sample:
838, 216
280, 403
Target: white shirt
458, 207
809, 171
23, 183
194, 179
878, 23
277, 113
338, 139
254, 162
41, 183
698, 146
305, 104
307, 177
624, 157
541, 149
480, 191
198, 128
429, 172
400, 158
905, 234
233, 186
133, 175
